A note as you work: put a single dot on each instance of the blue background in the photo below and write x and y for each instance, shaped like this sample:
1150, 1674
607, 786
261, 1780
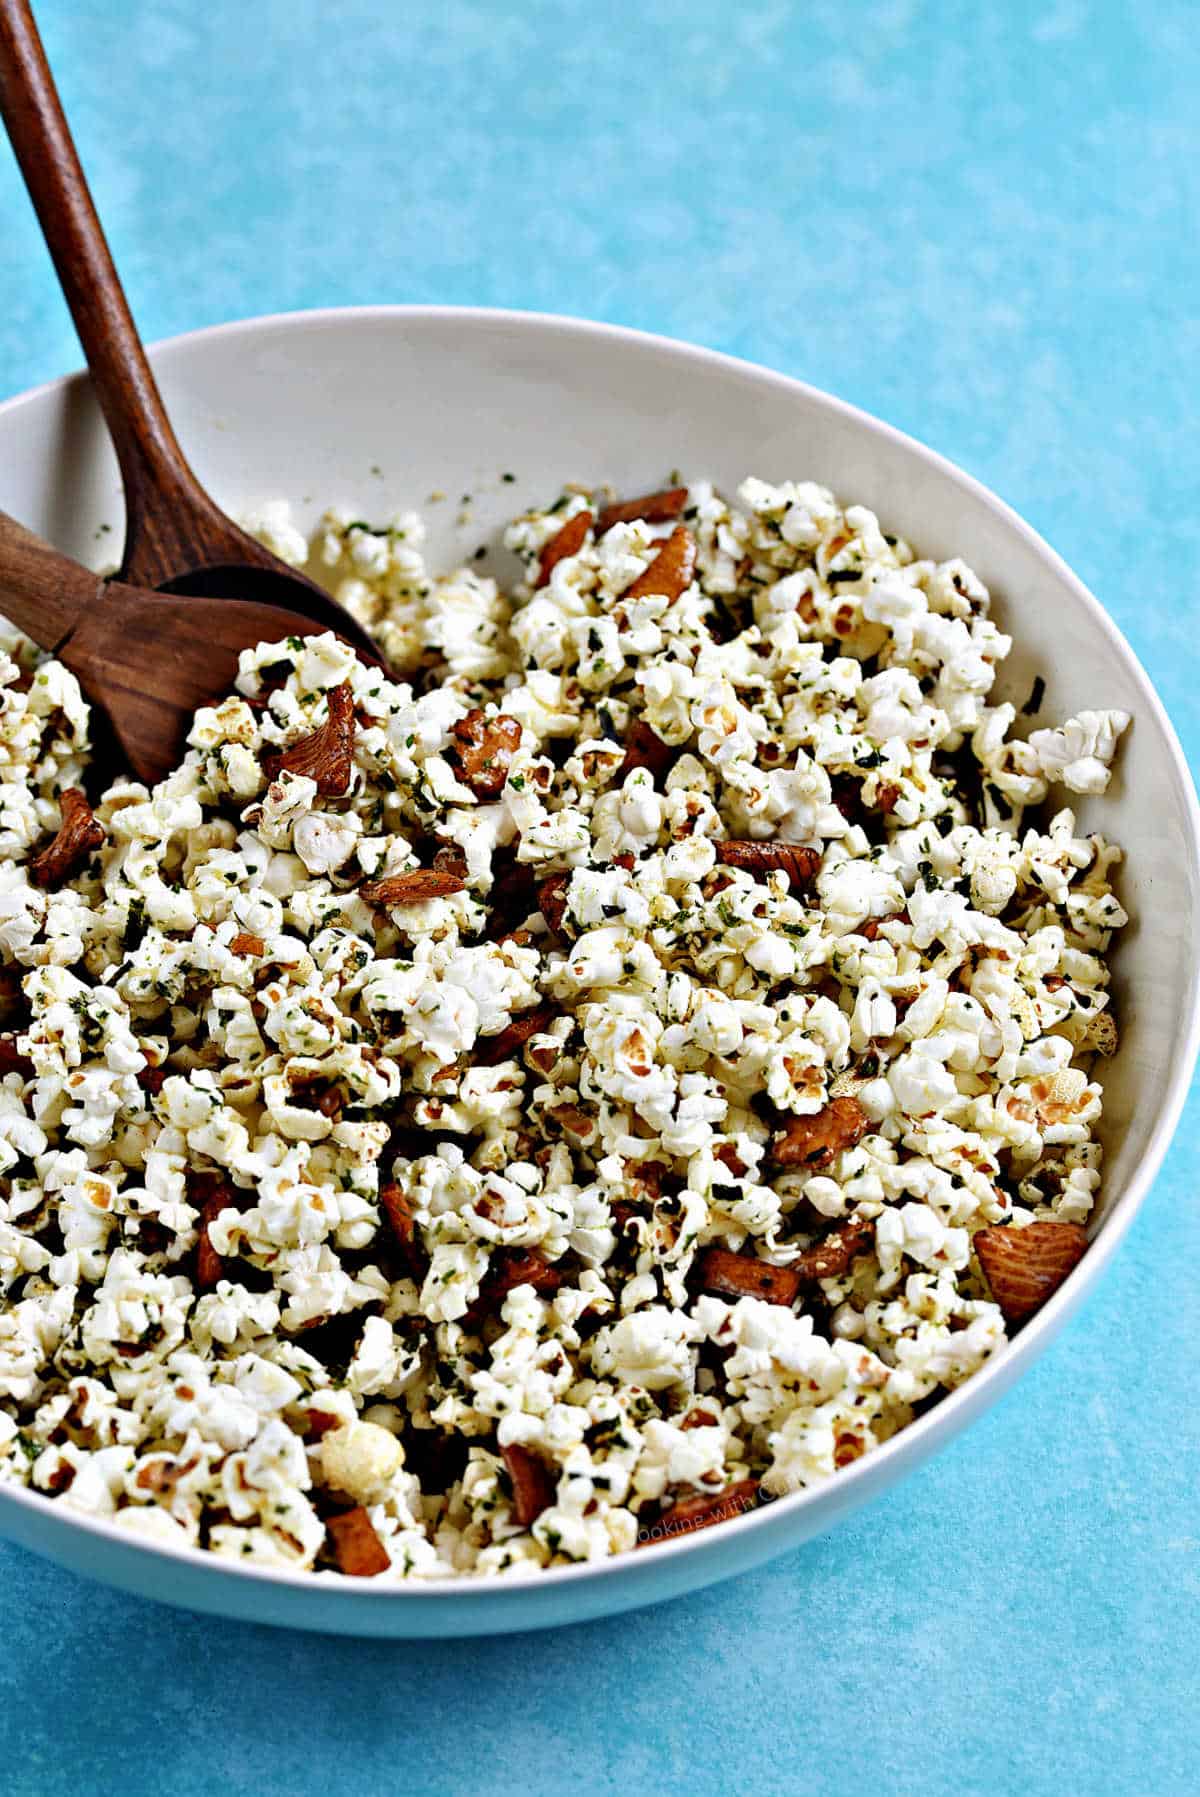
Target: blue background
979, 221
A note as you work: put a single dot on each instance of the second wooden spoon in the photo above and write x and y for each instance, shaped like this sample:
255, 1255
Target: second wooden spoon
149, 660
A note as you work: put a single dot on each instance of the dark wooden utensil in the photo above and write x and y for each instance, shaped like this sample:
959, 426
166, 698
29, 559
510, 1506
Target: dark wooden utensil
147, 659
176, 537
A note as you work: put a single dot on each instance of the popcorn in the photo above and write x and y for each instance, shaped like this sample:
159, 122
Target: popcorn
1080, 752
637, 1043
648, 1349
361, 1459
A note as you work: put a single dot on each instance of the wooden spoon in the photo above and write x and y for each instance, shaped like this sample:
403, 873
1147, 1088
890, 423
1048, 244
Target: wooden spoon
147, 659
176, 537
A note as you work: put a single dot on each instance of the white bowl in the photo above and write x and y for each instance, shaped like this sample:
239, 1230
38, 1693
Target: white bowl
382, 407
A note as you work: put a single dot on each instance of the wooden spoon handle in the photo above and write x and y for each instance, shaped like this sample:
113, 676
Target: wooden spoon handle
42, 591
160, 488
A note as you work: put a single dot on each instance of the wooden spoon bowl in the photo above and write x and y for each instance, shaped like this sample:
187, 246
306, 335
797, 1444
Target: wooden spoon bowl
147, 659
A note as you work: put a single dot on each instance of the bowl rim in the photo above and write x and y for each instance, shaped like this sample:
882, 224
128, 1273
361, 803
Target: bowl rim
983, 1388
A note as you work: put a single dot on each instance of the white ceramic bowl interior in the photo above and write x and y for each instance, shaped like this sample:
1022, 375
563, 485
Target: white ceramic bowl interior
380, 408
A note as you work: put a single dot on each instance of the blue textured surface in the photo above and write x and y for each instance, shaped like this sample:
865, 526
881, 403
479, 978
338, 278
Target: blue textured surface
980, 223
